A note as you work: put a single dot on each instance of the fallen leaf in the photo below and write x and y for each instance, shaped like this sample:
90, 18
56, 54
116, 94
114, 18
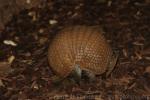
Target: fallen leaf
11, 59
1, 83
4, 68
147, 70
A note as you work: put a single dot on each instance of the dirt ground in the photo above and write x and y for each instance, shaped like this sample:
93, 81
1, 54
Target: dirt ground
25, 39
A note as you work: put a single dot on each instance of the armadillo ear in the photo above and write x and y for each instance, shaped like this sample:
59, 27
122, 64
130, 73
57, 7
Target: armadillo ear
112, 63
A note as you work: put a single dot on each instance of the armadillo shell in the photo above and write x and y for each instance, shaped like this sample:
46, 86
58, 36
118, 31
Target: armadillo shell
79, 45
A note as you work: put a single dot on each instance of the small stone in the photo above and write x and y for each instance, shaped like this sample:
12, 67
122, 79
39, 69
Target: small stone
52, 22
28, 1
41, 30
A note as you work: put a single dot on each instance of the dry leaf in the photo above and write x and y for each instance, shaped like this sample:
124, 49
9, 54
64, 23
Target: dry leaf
4, 68
147, 70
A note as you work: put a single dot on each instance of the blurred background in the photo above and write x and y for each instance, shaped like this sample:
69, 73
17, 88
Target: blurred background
27, 27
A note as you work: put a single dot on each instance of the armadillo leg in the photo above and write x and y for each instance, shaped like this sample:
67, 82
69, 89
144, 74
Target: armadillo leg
89, 76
